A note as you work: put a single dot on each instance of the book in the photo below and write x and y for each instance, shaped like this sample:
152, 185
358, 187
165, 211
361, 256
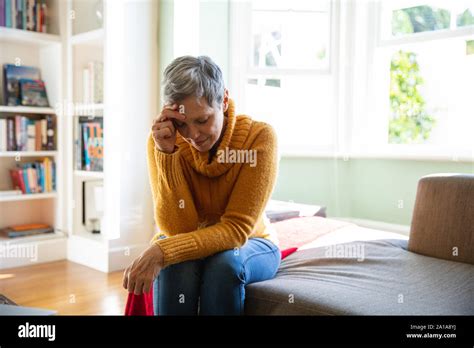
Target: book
23, 134
11, 142
281, 210
31, 134
89, 144
13, 12
2, 13
12, 75
33, 93
50, 133
34, 177
92, 82
25, 230
3, 134
85, 134
8, 13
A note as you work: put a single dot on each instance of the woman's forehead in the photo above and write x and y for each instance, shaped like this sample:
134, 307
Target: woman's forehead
193, 107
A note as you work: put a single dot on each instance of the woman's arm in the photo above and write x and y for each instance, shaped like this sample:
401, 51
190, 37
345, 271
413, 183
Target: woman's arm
247, 202
172, 199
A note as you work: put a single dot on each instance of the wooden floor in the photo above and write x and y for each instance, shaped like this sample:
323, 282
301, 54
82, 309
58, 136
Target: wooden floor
67, 287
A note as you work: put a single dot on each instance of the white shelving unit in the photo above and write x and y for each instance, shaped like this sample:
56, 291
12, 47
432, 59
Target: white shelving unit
127, 223
125, 40
28, 197
45, 51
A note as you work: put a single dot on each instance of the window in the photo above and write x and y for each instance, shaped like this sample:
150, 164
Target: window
284, 74
426, 65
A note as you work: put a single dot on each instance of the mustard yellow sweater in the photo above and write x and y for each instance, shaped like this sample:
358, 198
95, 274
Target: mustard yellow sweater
204, 208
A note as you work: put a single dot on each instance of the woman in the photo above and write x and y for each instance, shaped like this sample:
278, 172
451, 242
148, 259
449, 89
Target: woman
211, 175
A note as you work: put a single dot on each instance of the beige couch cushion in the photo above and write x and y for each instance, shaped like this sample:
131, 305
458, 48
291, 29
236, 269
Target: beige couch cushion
443, 218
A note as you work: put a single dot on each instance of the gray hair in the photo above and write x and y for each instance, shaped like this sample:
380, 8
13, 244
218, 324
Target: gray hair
193, 76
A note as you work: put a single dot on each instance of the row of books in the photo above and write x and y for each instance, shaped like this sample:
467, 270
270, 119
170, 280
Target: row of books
89, 144
25, 230
34, 177
92, 82
24, 14
22, 85
19, 133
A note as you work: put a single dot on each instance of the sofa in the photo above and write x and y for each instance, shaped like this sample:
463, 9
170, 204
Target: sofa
347, 269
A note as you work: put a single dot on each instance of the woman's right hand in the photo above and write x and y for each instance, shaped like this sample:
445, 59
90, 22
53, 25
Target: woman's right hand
163, 129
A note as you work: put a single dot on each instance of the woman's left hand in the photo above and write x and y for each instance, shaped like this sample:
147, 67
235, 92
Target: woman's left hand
138, 277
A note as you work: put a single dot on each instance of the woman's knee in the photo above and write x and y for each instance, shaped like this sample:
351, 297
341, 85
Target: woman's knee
226, 265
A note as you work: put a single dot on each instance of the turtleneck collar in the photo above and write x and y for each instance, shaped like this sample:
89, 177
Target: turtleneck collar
235, 134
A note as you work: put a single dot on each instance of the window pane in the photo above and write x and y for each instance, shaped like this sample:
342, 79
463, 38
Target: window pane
299, 107
419, 19
431, 94
466, 17
289, 34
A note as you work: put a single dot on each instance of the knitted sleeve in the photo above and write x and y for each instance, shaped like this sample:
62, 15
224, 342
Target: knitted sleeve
173, 205
247, 202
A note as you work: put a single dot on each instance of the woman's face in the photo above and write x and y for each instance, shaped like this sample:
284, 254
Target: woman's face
203, 124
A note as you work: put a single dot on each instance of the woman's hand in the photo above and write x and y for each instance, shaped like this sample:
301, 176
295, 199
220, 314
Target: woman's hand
138, 277
164, 131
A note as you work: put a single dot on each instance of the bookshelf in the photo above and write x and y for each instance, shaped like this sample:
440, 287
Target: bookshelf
76, 37
45, 51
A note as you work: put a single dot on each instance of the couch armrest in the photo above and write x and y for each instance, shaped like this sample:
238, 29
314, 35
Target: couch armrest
442, 225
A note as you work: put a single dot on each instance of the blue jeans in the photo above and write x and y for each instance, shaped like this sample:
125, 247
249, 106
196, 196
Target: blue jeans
215, 285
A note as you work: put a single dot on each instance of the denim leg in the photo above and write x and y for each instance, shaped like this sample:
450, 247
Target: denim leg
176, 289
225, 275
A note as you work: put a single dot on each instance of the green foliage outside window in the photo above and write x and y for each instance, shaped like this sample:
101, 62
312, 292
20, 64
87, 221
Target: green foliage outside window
409, 122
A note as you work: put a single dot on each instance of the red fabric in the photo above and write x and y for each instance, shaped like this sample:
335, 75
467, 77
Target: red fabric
139, 304
143, 304
287, 252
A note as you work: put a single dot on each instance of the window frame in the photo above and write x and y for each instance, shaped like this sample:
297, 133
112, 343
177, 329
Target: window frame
240, 65
379, 149
355, 31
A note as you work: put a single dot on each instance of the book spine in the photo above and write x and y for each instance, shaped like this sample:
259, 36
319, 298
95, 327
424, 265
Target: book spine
38, 15
8, 14
19, 14
53, 184
13, 13
43, 187
25, 179
24, 133
18, 132
31, 130
3, 134
78, 146
31, 178
50, 132
87, 163
44, 14
15, 179
11, 144
30, 15
2, 13
38, 135
44, 131
24, 13
21, 179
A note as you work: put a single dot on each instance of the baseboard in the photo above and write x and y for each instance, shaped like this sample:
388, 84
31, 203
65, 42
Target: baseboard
378, 225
